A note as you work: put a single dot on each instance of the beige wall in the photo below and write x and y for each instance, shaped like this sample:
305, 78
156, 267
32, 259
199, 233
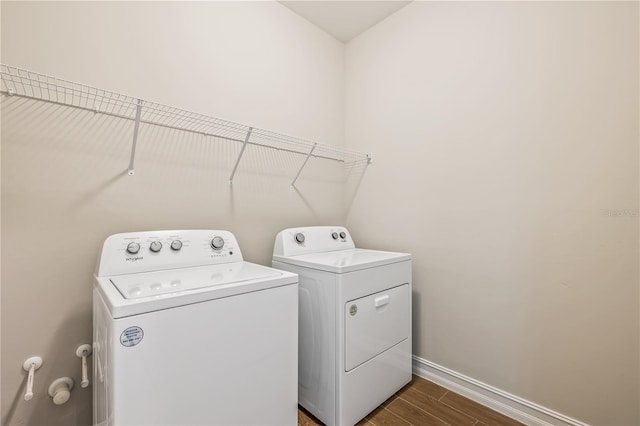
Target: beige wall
504, 134
64, 182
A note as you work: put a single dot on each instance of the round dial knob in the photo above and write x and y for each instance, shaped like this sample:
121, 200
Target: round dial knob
176, 245
343, 235
334, 235
133, 248
155, 246
217, 243
299, 238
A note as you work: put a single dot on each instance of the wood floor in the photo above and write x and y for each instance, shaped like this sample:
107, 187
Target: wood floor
424, 403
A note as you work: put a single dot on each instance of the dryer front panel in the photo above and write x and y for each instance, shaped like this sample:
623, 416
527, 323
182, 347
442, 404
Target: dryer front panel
375, 323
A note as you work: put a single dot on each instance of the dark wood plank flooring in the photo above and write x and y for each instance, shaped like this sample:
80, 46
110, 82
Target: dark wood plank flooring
424, 403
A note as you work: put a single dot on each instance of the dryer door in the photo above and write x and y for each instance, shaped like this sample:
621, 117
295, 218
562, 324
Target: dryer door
375, 323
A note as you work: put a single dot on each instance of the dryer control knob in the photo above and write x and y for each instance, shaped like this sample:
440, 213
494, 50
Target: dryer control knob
343, 235
155, 246
176, 245
217, 243
133, 248
299, 238
334, 235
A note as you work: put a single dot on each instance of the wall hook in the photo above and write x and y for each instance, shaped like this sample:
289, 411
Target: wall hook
31, 365
83, 352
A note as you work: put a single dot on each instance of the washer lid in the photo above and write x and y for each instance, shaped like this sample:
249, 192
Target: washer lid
137, 286
341, 261
133, 294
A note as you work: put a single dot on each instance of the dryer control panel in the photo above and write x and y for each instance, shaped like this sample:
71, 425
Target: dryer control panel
312, 239
135, 252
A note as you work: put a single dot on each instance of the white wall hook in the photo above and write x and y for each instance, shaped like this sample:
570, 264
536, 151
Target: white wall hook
60, 390
31, 365
83, 352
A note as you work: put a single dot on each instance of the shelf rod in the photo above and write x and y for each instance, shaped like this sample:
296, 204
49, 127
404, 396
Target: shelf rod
293, 183
244, 145
136, 127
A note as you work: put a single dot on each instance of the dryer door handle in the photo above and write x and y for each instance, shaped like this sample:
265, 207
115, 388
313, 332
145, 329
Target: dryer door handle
381, 301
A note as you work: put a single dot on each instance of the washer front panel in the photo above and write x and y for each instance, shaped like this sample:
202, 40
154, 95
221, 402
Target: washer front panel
221, 362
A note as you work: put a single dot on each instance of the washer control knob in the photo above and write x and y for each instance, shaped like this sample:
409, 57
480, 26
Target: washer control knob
343, 235
133, 248
155, 246
217, 243
176, 245
334, 235
299, 238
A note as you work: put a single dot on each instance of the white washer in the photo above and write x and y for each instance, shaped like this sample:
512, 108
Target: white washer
354, 321
187, 333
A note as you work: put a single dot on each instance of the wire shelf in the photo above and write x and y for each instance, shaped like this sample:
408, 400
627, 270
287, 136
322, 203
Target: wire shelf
29, 84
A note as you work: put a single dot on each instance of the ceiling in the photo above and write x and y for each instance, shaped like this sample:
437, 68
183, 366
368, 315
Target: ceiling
344, 19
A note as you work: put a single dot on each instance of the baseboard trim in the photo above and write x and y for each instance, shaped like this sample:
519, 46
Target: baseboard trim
510, 405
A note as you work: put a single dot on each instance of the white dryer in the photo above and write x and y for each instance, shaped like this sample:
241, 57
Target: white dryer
354, 321
187, 333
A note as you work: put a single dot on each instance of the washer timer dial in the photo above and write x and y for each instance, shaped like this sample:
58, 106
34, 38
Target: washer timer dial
133, 248
217, 243
176, 245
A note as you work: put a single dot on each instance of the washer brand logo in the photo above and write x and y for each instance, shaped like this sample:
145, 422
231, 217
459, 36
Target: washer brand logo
131, 336
133, 259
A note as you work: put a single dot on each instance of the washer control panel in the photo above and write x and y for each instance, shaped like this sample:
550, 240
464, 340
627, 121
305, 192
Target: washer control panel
312, 239
135, 252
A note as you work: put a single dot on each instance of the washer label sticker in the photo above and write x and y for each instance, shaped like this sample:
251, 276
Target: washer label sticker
131, 336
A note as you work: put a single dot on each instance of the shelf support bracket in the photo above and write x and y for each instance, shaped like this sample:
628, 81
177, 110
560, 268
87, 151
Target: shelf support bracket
293, 183
244, 145
136, 127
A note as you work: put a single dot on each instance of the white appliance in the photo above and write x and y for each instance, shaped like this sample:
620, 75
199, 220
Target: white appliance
187, 333
354, 321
